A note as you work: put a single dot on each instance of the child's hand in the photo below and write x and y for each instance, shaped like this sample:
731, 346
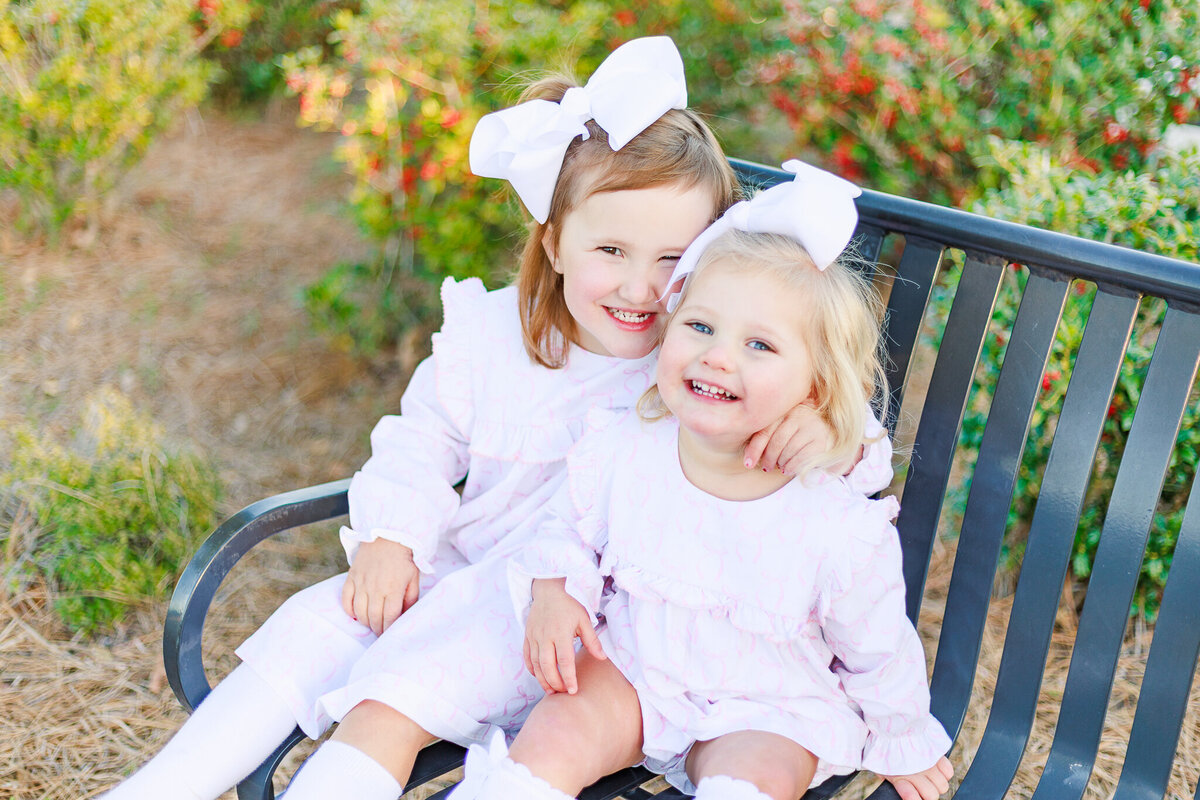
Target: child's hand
799, 436
382, 584
555, 619
927, 785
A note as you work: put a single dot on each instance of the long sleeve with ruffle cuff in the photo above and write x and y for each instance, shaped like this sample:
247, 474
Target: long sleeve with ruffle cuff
908, 750
881, 663
873, 472
405, 492
412, 515
555, 558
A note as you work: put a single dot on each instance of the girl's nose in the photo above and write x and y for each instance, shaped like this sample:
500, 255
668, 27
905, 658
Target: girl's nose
716, 357
638, 288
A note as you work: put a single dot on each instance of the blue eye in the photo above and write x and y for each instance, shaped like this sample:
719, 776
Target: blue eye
700, 327
760, 345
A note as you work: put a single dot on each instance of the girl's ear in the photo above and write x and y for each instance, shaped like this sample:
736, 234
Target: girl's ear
550, 245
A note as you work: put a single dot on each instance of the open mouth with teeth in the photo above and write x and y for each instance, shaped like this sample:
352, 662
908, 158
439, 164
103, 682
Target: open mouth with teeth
636, 318
710, 391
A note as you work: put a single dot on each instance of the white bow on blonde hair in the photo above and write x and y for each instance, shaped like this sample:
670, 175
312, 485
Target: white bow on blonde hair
639, 82
816, 208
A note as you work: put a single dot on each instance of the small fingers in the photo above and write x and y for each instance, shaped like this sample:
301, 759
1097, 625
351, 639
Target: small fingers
348, 598
782, 436
905, 788
535, 659
565, 662
375, 614
797, 450
360, 608
938, 776
528, 660
393, 607
548, 657
792, 464
587, 635
927, 788
756, 444
924, 787
411, 594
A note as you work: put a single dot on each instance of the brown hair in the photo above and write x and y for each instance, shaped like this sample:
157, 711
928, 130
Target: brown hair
841, 312
677, 149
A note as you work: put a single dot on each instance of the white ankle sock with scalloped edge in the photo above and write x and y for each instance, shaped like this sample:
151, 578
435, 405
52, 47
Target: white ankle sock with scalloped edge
341, 770
230, 733
491, 775
723, 787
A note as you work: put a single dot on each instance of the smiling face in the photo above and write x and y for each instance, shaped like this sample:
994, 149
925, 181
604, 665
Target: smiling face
735, 357
616, 251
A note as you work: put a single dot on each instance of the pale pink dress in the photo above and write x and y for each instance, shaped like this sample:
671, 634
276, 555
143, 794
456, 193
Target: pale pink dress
784, 614
479, 408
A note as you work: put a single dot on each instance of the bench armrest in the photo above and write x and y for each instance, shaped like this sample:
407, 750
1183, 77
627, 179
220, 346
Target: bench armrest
212, 562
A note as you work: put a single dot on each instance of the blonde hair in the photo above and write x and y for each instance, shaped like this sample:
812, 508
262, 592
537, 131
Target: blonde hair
841, 313
678, 149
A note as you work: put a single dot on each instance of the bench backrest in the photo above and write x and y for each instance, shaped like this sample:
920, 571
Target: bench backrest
1122, 278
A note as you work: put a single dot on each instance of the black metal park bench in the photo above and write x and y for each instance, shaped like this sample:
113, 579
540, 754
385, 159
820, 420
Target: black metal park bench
1122, 277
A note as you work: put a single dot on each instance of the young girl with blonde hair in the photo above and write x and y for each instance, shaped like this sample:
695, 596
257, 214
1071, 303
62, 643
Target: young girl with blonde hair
755, 633
620, 177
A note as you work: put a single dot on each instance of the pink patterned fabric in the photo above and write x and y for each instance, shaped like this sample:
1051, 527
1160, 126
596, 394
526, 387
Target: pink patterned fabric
479, 406
784, 614
452, 664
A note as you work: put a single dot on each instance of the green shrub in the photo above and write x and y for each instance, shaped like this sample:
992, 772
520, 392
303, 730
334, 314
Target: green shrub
84, 86
363, 306
113, 518
895, 93
899, 94
1158, 211
407, 83
250, 56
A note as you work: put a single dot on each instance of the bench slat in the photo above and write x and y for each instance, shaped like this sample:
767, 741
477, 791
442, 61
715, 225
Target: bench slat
990, 497
616, 784
927, 231
868, 241
1047, 550
941, 418
435, 761
1170, 667
905, 310
1119, 556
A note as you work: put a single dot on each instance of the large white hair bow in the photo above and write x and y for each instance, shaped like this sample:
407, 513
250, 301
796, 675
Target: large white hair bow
816, 208
639, 82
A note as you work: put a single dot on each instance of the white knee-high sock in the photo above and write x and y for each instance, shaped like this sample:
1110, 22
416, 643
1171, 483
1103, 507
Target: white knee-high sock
340, 770
491, 775
229, 734
723, 787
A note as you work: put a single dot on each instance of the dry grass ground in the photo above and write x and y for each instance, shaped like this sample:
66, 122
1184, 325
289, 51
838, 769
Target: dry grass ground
186, 301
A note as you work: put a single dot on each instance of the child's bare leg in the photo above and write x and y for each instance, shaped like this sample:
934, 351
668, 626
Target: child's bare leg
369, 757
568, 742
572, 741
385, 735
773, 765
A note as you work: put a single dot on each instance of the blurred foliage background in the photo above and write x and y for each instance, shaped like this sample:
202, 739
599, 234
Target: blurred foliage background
1050, 113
